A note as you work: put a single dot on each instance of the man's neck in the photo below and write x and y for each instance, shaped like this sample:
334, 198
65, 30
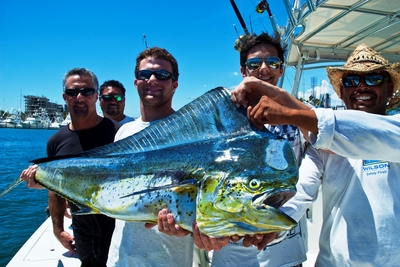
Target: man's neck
117, 118
79, 124
150, 114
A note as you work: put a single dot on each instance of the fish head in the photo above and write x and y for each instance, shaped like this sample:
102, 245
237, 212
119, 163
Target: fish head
245, 199
237, 194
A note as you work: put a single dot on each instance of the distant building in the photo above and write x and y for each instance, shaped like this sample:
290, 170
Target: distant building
37, 104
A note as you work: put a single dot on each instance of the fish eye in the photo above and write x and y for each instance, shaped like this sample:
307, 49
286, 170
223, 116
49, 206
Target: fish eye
254, 184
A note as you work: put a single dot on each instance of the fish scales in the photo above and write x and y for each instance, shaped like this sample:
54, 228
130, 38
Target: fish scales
205, 162
202, 114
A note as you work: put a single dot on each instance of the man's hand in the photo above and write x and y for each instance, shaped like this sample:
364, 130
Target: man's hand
251, 89
259, 240
207, 243
28, 175
248, 92
66, 240
267, 111
166, 224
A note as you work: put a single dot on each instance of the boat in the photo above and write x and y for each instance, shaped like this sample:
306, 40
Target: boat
12, 120
322, 33
43, 249
318, 33
38, 120
66, 121
34, 123
55, 125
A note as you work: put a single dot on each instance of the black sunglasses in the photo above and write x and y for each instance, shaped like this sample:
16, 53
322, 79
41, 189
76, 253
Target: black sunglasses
354, 80
161, 75
117, 98
256, 62
84, 91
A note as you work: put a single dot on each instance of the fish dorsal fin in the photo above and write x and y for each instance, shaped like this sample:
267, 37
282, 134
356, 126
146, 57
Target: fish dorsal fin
210, 116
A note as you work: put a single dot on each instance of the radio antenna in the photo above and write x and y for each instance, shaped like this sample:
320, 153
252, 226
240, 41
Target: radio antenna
144, 40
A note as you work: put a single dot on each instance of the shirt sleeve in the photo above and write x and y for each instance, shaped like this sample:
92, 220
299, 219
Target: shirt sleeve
358, 134
310, 173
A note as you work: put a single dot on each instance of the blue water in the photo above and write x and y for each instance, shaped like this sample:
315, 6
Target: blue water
22, 210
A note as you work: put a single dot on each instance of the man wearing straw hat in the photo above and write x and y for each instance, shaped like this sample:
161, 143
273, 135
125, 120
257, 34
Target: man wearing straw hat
367, 80
359, 168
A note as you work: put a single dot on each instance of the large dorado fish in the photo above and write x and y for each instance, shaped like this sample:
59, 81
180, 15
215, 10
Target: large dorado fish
205, 162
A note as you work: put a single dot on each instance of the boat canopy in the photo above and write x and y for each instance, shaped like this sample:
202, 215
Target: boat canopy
322, 33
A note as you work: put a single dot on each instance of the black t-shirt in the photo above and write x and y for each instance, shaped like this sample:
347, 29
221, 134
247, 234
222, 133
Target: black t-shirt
68, 142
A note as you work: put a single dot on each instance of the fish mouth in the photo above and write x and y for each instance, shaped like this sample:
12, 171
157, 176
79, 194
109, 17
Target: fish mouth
273, 199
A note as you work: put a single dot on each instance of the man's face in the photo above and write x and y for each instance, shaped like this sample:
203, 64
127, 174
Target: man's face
109, 103
265, 72
358, 93
80, 105
152, 91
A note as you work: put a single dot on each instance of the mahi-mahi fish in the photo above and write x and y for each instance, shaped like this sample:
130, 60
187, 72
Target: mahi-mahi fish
206, 162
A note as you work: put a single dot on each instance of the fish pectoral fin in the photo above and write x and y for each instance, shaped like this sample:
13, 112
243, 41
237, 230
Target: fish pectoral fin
83, 210
190, 183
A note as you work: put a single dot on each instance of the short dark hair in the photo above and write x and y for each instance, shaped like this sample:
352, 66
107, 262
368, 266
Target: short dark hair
263, 38
81, 72
158, 53
112, 83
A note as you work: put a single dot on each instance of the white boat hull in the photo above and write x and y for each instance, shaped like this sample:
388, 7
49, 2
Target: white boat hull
43, 249
35, 125
10, 125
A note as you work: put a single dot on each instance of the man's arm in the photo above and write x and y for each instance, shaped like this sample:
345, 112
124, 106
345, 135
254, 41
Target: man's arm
270, 112
358, 134
57, 209
251, 89
57, 206
269, 104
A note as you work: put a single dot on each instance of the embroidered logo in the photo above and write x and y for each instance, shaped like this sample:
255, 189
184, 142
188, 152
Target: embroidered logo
374, 167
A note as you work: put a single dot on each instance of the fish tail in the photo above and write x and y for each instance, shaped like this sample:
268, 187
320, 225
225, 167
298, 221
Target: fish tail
11, 186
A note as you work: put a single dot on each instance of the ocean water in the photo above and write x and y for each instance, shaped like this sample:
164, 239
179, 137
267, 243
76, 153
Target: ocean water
22, 210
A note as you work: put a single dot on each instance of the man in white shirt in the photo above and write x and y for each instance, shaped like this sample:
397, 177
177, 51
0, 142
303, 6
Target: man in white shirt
132, 244
360, 166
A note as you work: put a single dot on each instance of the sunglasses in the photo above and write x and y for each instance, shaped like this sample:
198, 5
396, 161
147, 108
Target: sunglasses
256, 62
82, 91
369, 79
117, 98
161, 75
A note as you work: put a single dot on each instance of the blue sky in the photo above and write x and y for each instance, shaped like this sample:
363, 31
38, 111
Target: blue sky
41, 40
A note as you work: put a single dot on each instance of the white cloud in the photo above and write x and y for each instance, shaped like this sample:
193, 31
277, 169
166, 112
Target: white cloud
322, 89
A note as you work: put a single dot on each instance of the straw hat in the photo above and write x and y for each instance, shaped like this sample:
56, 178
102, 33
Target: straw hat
364, 59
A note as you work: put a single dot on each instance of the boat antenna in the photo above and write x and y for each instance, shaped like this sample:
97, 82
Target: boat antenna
239, 42
251, 24
144, 40
264, 6
234, 26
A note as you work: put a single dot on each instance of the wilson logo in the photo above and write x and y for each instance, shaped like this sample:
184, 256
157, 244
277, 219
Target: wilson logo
375, 165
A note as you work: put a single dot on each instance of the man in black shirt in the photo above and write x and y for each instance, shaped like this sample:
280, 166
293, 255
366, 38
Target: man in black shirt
87, 130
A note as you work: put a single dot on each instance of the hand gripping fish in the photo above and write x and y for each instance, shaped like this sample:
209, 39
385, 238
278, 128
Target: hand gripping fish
205, 162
